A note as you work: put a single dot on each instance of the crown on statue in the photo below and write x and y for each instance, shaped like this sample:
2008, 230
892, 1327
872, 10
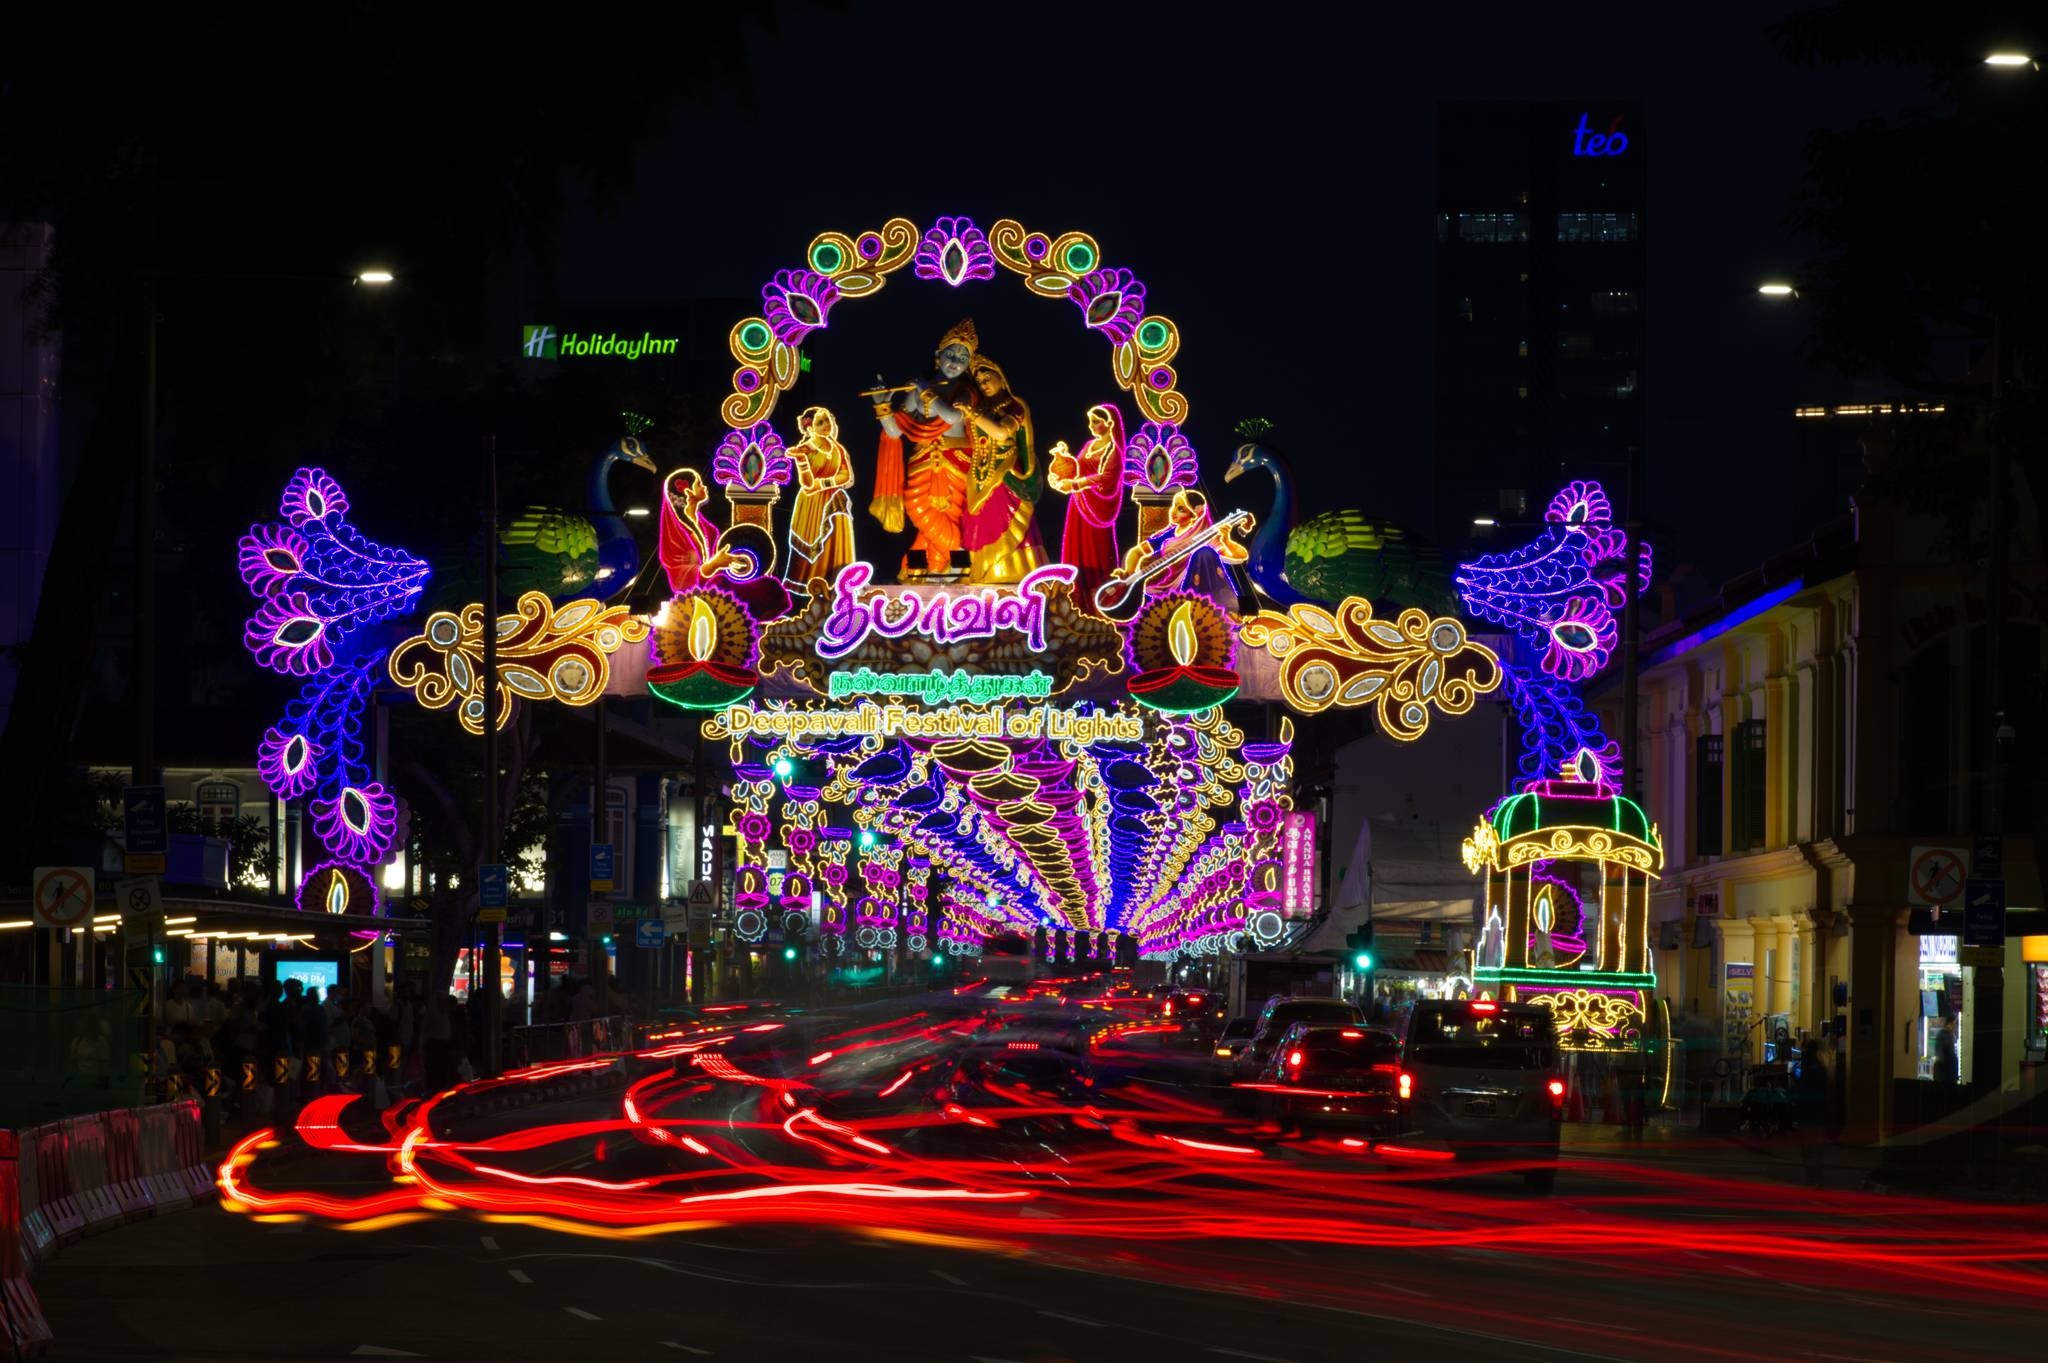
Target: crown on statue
963, 334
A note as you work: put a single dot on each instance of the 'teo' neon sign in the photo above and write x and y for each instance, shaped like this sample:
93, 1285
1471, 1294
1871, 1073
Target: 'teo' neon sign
1586, 142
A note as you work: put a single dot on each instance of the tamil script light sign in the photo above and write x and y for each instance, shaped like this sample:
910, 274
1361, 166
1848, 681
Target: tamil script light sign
868, 718
942, 618
1298, 880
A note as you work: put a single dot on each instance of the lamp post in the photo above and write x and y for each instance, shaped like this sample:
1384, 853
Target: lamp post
143, 771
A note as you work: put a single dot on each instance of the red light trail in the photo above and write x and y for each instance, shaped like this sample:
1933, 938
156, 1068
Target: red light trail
723, 1135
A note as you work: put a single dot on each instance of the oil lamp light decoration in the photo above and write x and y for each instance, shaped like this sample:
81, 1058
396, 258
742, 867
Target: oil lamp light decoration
704, 650
1181, 652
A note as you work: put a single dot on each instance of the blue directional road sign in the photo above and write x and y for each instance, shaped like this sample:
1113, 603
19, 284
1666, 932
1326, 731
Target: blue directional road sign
1984, 913
494, 886
147, 828
600, 867
649, 932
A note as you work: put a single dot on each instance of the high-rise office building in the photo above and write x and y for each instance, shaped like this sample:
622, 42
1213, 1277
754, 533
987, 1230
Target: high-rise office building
1540, 261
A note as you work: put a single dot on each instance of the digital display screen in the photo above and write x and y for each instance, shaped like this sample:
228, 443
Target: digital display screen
316, 976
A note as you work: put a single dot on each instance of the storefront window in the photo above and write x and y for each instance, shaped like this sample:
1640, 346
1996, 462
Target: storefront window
1941, 1010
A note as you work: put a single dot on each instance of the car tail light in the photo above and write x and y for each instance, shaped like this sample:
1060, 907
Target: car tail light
1169, 1008
1485, 1007
1407, 1083
1294, 1059
1352, 1036
1557, 1090
1223, 1051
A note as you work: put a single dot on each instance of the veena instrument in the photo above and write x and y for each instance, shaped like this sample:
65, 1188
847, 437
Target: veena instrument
1122, 595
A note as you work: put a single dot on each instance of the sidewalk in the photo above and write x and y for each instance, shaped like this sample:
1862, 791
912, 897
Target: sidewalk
1670, 1139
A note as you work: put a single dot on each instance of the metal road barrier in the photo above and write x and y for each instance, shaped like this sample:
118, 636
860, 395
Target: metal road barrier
569, 1040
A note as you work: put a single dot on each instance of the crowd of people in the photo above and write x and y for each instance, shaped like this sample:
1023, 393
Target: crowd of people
245, 1045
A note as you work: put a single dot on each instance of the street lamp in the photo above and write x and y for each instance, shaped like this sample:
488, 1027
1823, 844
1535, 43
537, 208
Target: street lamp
375, 277
2011, 59
1777, 290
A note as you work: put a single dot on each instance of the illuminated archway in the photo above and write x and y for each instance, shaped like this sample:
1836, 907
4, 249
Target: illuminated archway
952, 251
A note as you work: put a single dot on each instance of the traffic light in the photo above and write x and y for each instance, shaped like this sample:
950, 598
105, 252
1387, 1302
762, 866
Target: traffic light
1359, 939
789, 953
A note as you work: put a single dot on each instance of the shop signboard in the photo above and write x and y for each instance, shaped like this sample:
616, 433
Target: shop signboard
1738, 1002
1984, 913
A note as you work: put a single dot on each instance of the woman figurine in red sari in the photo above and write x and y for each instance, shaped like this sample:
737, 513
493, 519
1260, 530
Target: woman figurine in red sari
1093, 482
694, 554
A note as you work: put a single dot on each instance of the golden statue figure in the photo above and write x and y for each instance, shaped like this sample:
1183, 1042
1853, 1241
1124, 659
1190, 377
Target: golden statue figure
1000, 530
821, 523
928, 483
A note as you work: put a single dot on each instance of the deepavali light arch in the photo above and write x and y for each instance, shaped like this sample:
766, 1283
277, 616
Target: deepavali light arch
1012, 737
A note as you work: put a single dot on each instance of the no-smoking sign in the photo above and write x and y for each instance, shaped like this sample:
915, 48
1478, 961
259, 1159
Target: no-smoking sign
63, 896
1936, 875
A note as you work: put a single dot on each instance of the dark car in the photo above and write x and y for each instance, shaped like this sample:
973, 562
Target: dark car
1333, 1074
1196, 1012
1236, 1036
1481, 1078
1281, 1012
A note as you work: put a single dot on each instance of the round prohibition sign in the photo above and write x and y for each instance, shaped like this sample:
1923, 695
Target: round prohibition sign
1938, 876
64, 897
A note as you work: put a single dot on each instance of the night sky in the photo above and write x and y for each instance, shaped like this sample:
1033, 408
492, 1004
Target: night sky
1273, 185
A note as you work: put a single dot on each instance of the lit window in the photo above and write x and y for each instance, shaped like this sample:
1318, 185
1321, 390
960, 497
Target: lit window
1493, 227
1614, 302
1596, 227
1522, 349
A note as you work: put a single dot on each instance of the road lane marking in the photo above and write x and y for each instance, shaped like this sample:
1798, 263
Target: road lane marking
517, 1276
1076, 1320
491, 1244
579, 1311
686, 1348
1411, 1291
946, 1277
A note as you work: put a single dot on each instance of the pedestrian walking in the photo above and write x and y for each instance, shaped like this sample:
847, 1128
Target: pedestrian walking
1810, 1092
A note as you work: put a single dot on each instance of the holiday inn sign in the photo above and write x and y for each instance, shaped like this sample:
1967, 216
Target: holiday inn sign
539, 341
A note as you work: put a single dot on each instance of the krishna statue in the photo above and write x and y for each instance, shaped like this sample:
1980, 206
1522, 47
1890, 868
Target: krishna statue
967, 479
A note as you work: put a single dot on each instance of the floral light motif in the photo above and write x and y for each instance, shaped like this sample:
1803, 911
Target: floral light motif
357, 823
288, 762
796, 303
312, 496
1345, 658
954, 251
339, 887
1560, 591
1111, 302
1159, 459
752, 459
319, 586
544, 653
703, 651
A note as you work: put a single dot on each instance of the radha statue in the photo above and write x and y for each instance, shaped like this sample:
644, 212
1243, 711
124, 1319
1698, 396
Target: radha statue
1000, 529
821, 523
1093, 483
694, 554
928, 483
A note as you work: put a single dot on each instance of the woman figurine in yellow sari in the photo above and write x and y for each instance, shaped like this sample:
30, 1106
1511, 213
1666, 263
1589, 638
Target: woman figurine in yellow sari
821, 523
999, 530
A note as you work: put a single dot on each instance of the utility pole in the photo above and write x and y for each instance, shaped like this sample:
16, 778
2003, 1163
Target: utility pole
145, 772
1631, 620
494, 1001
600, 822
1987, 1065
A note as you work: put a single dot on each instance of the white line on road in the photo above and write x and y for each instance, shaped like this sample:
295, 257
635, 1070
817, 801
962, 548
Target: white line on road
579, 1311
686, 1348
1411, 1291
1240, 1353
1075, 1320
517, 1276
491, 1243
946, 1277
